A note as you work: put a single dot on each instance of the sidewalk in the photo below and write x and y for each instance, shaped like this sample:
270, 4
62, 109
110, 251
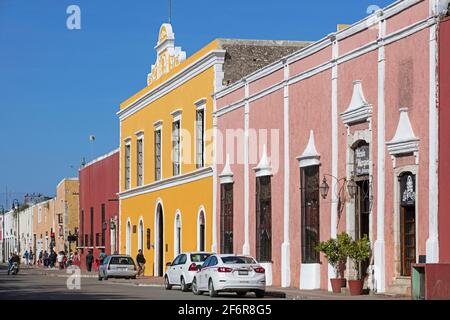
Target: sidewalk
276, 292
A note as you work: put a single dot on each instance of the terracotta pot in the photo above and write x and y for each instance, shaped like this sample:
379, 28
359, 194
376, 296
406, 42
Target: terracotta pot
336, 285
343, 283
356, 287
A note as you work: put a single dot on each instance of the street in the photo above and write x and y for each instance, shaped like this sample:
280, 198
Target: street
33, 284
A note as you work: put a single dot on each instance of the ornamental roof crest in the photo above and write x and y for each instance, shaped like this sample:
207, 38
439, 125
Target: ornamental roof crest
167, 55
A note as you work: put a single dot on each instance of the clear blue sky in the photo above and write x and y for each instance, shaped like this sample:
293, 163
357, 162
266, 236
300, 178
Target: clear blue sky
59, 86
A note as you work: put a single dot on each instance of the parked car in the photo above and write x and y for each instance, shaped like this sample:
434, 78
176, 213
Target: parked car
230, 273
117, 266
182, 270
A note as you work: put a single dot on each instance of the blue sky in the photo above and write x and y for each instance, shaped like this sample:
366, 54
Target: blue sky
58, 86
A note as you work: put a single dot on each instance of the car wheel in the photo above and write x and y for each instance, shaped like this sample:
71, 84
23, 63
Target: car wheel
100, 278
212, 292
184, 287
241, 293
260, 293
195, 288
134, 278
167, 284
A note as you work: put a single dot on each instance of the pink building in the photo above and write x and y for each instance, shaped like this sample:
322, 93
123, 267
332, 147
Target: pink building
357, 110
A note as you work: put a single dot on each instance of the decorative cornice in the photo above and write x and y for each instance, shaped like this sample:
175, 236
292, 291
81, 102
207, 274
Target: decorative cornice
168, 183
404, 141
263, 169
178, 79
227, 175
310, 156
359, 110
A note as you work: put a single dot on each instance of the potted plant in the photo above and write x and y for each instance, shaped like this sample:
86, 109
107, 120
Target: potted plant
336, 253
358, 251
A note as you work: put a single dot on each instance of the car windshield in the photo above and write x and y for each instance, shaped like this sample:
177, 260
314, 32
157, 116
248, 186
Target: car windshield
238, 260
122, 260
199, 257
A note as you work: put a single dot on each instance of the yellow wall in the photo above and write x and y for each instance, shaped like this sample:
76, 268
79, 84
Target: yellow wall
187, 197
66, 192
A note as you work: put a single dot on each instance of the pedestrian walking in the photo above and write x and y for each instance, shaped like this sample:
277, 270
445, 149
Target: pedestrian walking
102, 256
46, 259
76, 259
26, 256
61, 260
140, 259
89, 261
31, 257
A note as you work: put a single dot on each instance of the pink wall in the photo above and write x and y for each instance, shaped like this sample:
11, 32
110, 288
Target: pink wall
310, 102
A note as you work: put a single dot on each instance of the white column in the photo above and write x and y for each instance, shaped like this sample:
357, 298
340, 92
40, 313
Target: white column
285, 247
214, 213
334, 150
246, 247
432, 245
379, 257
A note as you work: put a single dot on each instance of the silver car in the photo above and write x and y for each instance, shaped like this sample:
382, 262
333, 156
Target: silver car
117, 266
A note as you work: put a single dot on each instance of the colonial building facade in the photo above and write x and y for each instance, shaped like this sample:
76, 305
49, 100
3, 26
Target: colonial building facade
339, 136
66, 213
166, 164
99, 206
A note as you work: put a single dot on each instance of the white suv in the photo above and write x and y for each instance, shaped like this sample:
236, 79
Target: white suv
181, 271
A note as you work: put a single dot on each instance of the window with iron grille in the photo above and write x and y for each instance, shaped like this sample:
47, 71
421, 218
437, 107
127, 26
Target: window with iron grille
60, 218
92, 227
200, 137
82, 243
226, 218
176, 147
103, 224
148, 239
310, 235
158, 154
86, 240
97, 239
140, 162
127, 167
263, 219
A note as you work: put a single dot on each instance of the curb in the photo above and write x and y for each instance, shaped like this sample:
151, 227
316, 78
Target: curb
276, 294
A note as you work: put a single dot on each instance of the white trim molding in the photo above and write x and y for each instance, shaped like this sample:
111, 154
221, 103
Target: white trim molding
404, 141
168, 183
310, 276
359, 110
310, 156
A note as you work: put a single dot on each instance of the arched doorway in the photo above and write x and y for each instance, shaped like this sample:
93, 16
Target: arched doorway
128, 238
201, 231
141, 236
159, 241
177, 234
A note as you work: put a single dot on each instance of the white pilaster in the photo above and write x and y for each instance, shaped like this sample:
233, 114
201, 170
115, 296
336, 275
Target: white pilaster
334, 149
432, 245
285, 247
379, 246
246, 247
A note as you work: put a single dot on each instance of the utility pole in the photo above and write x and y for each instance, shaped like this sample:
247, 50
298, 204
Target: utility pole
170, 11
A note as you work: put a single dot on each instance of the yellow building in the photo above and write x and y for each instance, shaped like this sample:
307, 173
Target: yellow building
166, 149
66, 213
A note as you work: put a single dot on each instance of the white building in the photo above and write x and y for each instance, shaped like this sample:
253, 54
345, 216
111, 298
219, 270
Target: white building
26, 230
10, 233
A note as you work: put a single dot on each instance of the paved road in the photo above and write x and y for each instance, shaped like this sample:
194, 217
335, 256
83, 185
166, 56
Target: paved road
31, 284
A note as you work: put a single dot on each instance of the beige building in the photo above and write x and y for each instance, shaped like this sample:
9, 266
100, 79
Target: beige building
43, 225
66, 213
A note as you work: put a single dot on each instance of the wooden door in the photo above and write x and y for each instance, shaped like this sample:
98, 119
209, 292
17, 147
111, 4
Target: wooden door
408, 239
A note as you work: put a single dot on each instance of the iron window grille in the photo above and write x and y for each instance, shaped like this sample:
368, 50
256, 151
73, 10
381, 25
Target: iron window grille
263, 219
226, 218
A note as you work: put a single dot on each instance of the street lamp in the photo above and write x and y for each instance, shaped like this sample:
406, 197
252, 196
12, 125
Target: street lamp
2, 209
15, 206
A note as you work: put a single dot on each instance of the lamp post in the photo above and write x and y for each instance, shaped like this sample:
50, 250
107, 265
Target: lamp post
16, 208
3, 234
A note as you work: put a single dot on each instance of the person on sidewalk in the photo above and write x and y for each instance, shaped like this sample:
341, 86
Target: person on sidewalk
76, 259
26, 256
40, 257
102, 256
140, 259
31, 257
89, 261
